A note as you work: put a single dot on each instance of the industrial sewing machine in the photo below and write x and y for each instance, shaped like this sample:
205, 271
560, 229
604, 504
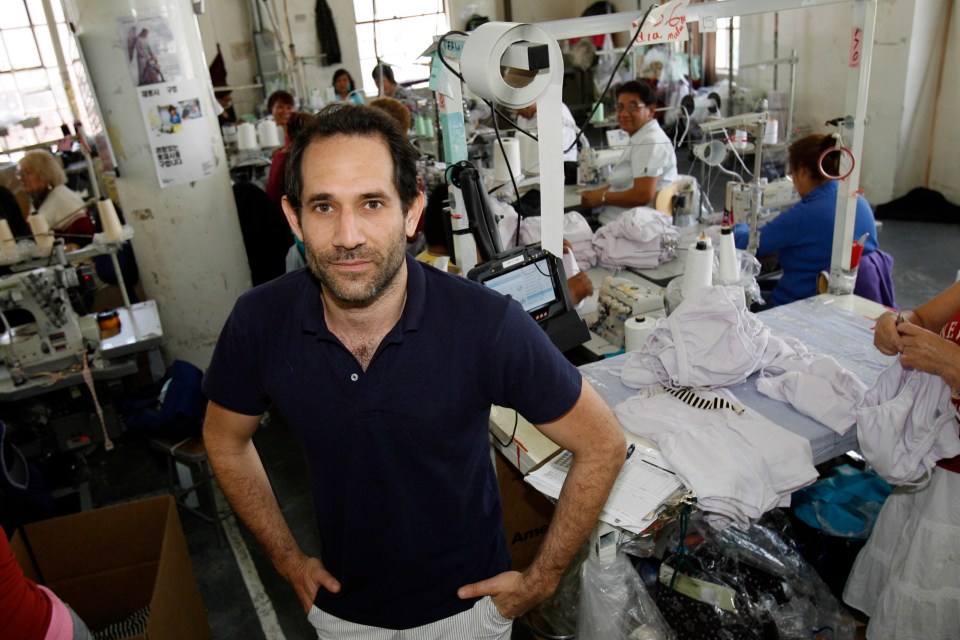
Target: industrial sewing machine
41, 330
619, 300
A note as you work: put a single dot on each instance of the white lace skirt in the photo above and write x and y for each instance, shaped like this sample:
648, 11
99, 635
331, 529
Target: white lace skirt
907, 577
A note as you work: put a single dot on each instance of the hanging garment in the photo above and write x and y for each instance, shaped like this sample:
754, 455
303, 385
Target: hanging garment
327, 34
907, 423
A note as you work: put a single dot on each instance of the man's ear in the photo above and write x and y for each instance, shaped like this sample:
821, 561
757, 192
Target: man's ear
414, 211
292, 218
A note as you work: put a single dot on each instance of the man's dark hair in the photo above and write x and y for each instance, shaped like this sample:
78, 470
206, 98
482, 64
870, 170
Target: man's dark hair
641, 89
354, 120
386, 70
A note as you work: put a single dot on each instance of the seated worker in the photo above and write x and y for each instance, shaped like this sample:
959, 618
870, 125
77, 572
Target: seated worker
43, 177
527, 120
437, 253
396, 110
276, 179
383, 76
280, 105
343, 87
647, 165
225, 100
803, 234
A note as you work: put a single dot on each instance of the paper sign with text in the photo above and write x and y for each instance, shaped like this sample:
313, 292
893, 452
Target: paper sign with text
666, 23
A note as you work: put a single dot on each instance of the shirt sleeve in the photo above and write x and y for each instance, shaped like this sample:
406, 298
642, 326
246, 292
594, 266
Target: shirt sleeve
537, 380
232, 380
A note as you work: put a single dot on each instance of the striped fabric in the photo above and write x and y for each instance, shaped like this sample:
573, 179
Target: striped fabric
133, 625
689, 397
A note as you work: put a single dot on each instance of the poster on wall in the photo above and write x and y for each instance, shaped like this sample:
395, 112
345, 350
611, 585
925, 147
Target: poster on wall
150, 48
179, 142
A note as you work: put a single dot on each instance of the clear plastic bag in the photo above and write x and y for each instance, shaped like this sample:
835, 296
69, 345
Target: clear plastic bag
614, 604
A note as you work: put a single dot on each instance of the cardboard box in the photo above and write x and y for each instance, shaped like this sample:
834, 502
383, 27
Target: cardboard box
109, 563
526, 514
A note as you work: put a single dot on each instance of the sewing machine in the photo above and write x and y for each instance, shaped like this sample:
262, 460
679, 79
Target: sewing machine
774, 197
41, 331
593, 162
619, 300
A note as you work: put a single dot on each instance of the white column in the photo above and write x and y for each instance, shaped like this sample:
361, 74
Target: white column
187, 237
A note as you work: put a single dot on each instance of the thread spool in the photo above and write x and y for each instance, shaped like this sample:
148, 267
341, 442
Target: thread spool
529, 154
41, 233
636, 330
110, 221
598, 115
727, 256
739, 140
267, 134
7, 241
511, 147
771, 132
698, 269
247, 137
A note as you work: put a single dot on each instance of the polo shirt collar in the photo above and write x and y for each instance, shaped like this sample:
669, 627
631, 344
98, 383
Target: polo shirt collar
311, 306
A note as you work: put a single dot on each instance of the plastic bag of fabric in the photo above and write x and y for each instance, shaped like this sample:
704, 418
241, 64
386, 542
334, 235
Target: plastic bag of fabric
614, 604
746, 584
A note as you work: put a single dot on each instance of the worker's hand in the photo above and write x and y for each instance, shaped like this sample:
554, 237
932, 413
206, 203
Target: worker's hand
567, 246
886, 338
511, 591
580, 287
592, 197
927, 351
307, 577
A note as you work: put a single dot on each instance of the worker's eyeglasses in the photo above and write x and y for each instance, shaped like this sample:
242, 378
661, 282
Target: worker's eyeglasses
630, 107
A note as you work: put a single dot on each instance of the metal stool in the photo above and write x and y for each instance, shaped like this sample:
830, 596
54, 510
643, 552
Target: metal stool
192, 453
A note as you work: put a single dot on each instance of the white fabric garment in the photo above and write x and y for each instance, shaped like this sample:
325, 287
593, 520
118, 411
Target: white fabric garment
650, 154
814, 384
576, 230
506, 223
61, 207
739, 466
711, 340
906, 578
569, 132
641, 237
907, 423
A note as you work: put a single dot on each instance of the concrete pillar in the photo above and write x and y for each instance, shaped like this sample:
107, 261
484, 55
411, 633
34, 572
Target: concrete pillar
187, 237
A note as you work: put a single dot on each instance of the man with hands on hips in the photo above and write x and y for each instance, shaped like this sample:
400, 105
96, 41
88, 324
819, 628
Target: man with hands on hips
406, 497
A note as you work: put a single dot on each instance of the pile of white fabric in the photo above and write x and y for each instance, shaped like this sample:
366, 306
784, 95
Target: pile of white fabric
642, 238
576, 231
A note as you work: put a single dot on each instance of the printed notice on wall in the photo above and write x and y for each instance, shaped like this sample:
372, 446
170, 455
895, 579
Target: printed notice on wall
178, 136
665, 23
151, 49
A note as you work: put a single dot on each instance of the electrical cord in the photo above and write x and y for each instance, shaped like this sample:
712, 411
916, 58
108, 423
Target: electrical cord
613, 75
516, 421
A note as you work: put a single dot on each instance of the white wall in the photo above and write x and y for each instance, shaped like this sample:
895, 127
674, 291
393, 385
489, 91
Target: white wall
945, 161
908, 42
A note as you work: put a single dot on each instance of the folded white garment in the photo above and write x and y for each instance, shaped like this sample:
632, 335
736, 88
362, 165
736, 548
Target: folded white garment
641, 237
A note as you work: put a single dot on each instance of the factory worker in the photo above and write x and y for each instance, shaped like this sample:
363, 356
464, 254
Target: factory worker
648, 163
907, 576
336, 347
343, 86
527, 120
802, 235
42, 176
383, 76
281, 106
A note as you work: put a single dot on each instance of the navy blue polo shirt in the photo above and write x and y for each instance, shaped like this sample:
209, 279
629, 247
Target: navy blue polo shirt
406, 497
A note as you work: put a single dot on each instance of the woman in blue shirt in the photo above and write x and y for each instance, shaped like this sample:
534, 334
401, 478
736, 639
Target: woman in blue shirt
803, 234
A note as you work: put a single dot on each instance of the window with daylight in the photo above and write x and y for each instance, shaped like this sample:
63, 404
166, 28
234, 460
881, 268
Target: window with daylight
33, 101
397, 31
728, 30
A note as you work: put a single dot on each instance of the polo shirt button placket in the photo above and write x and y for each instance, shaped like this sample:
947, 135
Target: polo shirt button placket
354, 377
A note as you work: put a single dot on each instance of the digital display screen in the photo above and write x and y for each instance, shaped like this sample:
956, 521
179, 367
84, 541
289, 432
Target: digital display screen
531, 285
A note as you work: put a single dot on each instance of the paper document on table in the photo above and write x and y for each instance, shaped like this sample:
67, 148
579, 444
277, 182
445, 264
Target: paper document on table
644, 483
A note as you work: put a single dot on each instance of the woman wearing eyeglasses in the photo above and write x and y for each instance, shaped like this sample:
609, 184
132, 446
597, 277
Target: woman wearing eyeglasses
43, 177
647, 165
